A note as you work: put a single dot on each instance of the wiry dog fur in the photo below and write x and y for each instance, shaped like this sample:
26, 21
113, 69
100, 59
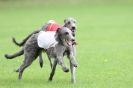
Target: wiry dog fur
32, 50
68, 22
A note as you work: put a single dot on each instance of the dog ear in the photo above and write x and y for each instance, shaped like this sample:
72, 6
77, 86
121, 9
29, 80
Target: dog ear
57, 35
58, 29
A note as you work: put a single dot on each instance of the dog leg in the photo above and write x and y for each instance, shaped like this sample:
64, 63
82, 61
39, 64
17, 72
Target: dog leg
17, 70
73, 80
48, 52
21, 52
71, 56
27, 62
61, 62
53, 70
40, 60
73, 61
51, 65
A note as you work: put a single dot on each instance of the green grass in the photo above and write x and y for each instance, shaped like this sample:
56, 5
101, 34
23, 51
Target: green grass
104, 50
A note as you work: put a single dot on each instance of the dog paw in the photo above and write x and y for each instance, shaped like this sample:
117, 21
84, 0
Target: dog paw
65, 69
75, 65
50, 79
20, 78
73, 81
16, 70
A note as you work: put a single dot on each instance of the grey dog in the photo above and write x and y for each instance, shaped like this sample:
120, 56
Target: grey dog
68, 22
32, 50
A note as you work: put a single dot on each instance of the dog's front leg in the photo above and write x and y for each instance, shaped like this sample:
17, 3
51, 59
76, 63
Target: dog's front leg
61, 62
53, 70
72, 55
73, 60
73, 79
59, 56
73, 63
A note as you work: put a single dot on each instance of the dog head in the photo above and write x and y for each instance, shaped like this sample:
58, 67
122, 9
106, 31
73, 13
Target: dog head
64, 35
71, 24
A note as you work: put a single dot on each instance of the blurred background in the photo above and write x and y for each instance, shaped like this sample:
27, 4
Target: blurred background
104, 36
20, 3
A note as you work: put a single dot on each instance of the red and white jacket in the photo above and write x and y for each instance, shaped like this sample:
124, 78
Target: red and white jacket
46, 37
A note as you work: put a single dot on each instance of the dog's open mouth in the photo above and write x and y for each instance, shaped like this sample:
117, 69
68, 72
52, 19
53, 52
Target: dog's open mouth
70, 42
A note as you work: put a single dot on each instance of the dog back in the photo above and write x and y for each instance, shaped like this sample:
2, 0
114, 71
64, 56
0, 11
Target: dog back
52, 27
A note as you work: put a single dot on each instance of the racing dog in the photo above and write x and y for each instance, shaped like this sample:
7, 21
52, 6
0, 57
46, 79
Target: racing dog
60, 41
68, 22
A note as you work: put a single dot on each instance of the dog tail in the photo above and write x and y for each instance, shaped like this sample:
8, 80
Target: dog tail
16, 43
21, 52
23, 42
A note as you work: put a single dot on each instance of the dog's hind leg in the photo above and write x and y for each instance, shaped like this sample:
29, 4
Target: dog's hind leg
40, 60
27, 62
53, 70
50, 62
21, 52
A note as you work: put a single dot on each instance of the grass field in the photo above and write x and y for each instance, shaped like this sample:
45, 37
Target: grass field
104, 50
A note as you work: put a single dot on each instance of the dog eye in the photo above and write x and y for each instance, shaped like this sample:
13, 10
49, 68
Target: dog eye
66, 33
69, 22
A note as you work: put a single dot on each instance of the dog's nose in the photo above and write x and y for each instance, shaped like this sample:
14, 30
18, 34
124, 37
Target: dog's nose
73, 40
73, 28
